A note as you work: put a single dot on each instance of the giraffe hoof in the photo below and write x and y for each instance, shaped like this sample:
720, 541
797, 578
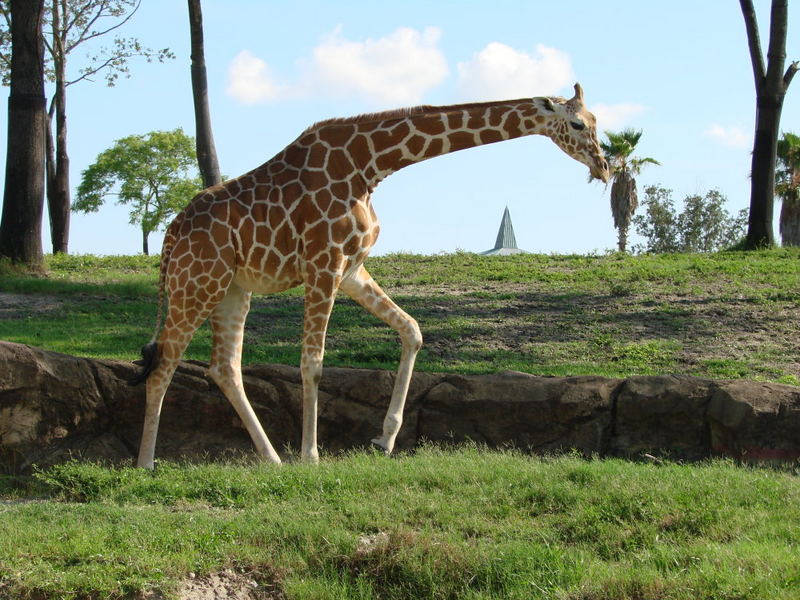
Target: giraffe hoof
306, 459
376, 446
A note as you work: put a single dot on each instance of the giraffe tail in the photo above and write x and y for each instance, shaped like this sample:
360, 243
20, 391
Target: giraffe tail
148, 363
149, 360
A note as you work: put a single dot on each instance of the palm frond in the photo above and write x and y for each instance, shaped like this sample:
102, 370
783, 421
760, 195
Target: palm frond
788, 151
636, 164
618, 149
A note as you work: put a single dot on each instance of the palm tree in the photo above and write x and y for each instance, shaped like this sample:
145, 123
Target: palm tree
624, 167
787, 186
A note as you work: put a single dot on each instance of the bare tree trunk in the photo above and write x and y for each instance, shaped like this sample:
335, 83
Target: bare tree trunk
790, 223
23, 199
762, 190
771, 85
50, 156
145, 248
58, 199
59, 203
622, 239
206, 152
624, 201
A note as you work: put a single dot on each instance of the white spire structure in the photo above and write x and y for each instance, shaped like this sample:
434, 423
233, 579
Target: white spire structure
506, 243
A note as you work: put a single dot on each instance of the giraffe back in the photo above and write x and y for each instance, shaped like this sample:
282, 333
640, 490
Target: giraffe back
307, 205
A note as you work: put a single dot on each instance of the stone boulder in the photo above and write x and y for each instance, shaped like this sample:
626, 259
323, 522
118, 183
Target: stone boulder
662, 415
534, 413
755, 421
54, 407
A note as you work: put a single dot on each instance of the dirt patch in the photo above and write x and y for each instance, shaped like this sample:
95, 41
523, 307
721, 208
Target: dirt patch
224, 585
14, 306
227, 584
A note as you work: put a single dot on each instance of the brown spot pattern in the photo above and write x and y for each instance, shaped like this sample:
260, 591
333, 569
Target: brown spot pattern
306, 216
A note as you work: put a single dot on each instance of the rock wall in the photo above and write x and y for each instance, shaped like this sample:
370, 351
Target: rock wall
54, 406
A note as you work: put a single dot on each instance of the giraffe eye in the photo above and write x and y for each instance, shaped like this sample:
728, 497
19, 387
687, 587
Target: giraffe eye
577, 126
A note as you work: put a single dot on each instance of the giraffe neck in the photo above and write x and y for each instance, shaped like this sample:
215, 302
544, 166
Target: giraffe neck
380, 144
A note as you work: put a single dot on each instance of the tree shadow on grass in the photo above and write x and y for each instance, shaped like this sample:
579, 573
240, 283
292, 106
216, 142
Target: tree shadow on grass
540, 331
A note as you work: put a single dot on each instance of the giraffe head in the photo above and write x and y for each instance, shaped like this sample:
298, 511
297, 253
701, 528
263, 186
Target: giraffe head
574, 130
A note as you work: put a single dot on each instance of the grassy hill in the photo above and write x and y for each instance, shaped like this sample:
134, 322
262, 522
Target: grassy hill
725, 315
459, 524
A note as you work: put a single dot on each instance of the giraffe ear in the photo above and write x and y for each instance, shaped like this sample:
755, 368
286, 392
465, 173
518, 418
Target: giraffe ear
547, 104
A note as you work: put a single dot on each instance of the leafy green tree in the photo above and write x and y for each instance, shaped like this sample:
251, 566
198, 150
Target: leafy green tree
68, 24
704, 225
155, 173
619, 148
787, 186
658, 225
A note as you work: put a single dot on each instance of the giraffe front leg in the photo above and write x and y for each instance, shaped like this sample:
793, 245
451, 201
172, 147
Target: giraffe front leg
311, 372
363, 289
320, 293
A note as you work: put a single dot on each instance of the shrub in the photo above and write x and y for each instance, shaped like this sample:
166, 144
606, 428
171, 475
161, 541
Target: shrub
704, 225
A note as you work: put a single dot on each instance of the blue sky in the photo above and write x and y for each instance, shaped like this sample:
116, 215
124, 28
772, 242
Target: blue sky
679, 70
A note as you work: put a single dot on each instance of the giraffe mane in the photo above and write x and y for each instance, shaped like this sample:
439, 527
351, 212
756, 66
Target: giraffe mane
412, 111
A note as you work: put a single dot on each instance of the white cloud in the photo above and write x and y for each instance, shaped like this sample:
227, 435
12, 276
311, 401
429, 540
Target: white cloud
729, 136
396, 69
615, 116
499, 71
393, 70
250, 80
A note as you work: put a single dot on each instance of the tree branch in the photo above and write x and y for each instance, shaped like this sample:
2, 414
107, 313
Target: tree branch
79, 15
6, 12
90, 72
86, 36
776, 52
48, 46
787, 77
753, 41
86, 26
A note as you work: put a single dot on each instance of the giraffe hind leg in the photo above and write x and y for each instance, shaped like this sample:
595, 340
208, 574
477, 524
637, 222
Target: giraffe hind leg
227, 326
172, 343
186, 313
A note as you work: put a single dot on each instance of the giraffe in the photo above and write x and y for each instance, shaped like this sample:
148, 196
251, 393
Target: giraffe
306, 217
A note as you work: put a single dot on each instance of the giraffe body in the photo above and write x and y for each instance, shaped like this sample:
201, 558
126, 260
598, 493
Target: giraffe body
306, 217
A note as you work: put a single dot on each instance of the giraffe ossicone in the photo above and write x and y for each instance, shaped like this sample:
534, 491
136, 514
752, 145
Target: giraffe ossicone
306, 217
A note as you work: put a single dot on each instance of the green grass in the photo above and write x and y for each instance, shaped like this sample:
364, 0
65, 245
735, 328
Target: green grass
765, 268
85, 274
723, 315
465, 523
